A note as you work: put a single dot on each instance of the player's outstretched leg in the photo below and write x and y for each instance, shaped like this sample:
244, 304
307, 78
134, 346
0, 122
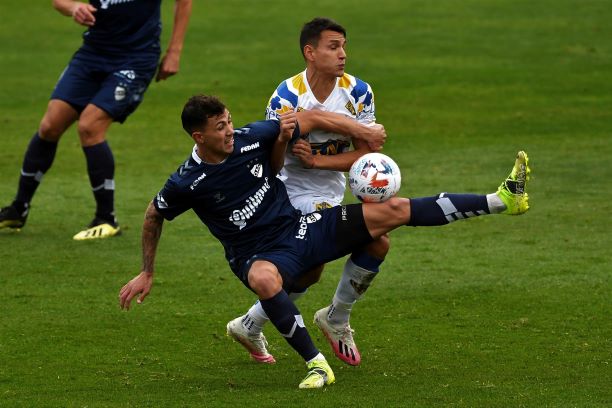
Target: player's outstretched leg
319, 374
513, 190
255, 344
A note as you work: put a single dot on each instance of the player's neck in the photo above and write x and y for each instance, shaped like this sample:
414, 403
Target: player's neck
210, 158
320, 84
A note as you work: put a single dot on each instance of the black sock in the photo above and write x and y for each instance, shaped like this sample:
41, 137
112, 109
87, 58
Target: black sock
288, 321
446, 208
101, 170
37, 160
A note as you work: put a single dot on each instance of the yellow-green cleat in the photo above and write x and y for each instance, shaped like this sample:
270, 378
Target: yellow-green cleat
319, 374
513, 190
98, 229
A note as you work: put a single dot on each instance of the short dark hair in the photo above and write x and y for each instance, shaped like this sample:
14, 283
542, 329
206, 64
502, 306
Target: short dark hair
198, 109
311, 31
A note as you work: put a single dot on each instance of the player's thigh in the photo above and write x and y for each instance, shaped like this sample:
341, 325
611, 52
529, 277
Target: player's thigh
58, 117
80, 80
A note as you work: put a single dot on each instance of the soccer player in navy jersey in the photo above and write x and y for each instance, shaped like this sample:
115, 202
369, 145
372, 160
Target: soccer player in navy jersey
229, 181
103, 83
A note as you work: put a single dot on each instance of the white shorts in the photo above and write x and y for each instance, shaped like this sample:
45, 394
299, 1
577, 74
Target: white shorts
307, 203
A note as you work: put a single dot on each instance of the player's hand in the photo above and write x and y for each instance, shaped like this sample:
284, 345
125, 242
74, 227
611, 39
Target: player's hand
374, 134
288, 122
82, 13
168, 66
303, 151
141, 284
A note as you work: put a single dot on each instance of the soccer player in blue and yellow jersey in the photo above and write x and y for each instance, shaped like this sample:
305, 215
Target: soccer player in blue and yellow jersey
314, 177
103, 83
229, 181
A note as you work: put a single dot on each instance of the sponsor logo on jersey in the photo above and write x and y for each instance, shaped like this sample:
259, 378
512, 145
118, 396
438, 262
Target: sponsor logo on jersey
197, 181
241, 216
330, 148
304, 221
343, 213
349, 106
249, 147
105, 3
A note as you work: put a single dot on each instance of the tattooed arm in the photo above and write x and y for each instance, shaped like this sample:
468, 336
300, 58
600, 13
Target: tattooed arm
141, 284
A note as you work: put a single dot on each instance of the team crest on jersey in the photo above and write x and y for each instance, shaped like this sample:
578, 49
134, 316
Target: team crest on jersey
105, 3
257, 170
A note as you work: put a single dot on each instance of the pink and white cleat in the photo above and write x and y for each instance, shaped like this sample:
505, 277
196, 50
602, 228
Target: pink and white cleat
255, 344
340, 338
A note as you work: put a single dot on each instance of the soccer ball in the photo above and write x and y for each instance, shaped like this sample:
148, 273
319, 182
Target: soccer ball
374, 177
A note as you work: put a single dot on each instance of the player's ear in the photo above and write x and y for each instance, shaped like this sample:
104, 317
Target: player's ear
197, 136
308, 52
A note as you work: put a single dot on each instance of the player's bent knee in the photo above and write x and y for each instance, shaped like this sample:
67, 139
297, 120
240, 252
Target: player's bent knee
399, 208
265, 281
89, 135
49, 130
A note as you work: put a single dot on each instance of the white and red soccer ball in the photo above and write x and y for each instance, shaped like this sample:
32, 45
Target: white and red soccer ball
374, 177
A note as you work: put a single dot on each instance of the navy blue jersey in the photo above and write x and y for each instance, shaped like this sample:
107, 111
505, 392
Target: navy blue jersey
125, 26
241, 201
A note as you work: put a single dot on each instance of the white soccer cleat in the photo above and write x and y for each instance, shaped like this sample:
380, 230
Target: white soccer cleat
339, 337
255, 344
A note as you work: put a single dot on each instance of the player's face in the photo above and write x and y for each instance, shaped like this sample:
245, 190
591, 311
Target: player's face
329, 55
216, 140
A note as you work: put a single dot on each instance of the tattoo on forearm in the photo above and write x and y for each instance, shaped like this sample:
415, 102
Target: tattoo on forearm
151, 232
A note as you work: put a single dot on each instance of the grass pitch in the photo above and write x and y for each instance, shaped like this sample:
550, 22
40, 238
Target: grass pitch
498, 311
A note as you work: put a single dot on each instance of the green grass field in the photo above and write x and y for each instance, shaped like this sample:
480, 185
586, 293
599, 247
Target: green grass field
490, 312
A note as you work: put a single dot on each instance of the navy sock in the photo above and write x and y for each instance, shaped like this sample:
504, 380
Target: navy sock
446, 208
38, 159
101, 170
366, 261
288, 321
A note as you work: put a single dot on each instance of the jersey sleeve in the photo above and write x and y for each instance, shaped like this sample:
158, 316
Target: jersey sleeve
265, 131
170, 201
364, 102
282, 100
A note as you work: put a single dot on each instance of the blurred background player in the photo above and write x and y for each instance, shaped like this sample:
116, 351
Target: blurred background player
104, 82
314, 177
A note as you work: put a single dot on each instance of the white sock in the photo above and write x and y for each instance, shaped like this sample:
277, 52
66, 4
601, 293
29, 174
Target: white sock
255, 319
353, 284
317, 357
496, 205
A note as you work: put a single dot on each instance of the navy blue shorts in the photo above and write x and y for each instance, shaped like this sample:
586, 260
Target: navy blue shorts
315, 239
115, 84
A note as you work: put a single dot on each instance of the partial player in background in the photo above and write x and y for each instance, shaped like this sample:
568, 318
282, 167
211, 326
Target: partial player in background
314, 177
103, 83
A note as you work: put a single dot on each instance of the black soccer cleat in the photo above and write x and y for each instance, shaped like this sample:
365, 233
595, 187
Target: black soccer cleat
10, 217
